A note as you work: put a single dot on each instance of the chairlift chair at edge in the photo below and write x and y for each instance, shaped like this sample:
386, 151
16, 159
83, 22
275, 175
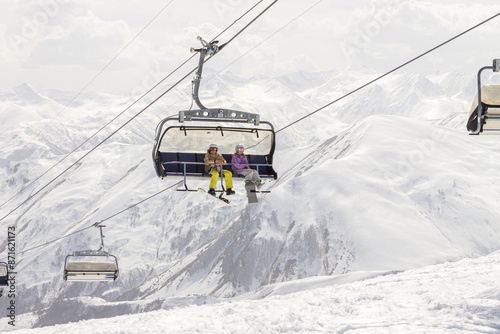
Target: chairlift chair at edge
484, 117
4, 274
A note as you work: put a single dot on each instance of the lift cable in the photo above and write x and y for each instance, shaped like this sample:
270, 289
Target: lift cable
315, 111
249, 23
137, 114
81, 91
268, 37
119, 53
387, 73
97, 223
98, 131
141, 97
239, 18
319, 109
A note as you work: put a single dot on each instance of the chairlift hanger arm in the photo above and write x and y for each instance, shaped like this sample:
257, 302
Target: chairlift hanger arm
208, 47
211, 48
102, 237
100, 251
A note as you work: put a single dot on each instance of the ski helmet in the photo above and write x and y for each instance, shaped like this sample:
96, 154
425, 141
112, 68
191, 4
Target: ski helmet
213, 147
238, 147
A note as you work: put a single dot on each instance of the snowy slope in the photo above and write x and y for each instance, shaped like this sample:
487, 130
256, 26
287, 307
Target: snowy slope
459, 297
386, 181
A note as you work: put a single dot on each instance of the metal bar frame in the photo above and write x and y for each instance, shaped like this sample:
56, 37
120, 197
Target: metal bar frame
98, 252
495, 67
184, 172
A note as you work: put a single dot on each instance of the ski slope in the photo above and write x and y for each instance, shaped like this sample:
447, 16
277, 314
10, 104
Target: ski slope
458, 297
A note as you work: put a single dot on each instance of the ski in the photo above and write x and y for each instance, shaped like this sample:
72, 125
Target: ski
220, 198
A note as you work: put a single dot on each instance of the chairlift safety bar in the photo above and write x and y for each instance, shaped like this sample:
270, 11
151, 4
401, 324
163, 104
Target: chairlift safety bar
184, 164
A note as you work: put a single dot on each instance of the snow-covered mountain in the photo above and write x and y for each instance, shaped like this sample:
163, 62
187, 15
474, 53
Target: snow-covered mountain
385, 181
448, 298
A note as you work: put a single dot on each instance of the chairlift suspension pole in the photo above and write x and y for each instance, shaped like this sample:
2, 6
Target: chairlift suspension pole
102, 236
212, 46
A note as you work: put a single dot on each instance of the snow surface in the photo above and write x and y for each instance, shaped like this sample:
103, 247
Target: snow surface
459, 297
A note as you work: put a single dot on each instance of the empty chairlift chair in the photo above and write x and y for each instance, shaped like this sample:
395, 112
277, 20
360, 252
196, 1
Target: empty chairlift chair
103, 267
484, 116
180, 148
90, 271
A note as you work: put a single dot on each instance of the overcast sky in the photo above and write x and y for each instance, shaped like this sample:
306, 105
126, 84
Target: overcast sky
64, 44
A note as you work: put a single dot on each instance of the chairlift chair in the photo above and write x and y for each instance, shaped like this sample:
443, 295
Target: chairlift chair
85, 271
4, 274
181, 140
484, 116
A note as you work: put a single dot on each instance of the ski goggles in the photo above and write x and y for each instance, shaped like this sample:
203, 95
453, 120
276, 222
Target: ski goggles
213, 149
240, 149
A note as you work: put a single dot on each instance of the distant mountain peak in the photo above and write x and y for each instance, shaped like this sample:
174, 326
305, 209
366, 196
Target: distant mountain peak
27, 94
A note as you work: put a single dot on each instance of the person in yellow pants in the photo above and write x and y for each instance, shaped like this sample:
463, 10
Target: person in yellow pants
214, 162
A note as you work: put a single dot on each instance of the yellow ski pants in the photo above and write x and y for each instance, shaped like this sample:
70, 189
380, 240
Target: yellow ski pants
228, 176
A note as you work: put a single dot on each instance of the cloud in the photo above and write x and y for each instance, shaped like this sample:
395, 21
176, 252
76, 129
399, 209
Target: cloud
386, 36
37, 38
87, 41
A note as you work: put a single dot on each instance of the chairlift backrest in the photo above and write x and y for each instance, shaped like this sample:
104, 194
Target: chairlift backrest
75, 270
91, 271
183, 143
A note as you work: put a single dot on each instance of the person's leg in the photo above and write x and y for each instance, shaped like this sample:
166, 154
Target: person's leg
228, 176
256, 178
247, 173
255, 175
251, 175
213, 179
